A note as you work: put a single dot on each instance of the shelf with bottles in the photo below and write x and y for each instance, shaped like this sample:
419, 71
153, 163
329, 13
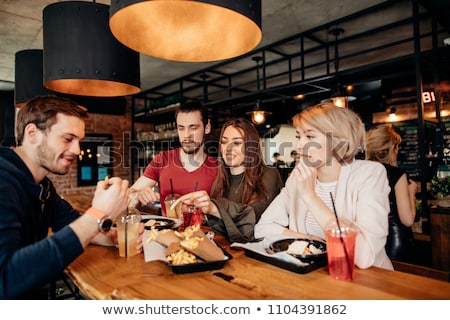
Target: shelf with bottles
145, 112
149, 149
160, 132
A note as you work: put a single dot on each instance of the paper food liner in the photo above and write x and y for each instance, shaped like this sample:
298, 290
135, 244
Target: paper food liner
154, 250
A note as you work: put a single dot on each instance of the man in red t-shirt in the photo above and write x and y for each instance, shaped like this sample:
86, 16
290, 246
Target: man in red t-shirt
188, 167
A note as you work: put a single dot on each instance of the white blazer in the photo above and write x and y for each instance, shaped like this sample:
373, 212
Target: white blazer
362, 196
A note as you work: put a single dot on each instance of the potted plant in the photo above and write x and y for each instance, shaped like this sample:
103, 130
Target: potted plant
440, 186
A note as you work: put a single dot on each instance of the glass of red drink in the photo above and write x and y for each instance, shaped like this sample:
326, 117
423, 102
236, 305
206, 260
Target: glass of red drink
192, 216
341, 241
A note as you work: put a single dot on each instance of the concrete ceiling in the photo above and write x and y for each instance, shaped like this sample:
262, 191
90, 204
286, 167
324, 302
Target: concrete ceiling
21, 28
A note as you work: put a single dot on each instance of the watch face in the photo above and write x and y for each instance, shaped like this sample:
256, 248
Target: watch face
106, 225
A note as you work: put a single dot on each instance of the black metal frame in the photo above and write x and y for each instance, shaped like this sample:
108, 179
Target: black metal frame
401, 61
220, 88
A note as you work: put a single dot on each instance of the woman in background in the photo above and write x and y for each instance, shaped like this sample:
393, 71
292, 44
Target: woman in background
244, 186
328, 140
382, 146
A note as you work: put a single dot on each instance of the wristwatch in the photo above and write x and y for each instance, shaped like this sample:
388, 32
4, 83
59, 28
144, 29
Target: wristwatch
104, 223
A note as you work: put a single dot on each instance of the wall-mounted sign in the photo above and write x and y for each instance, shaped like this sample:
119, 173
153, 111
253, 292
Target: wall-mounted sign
428, 97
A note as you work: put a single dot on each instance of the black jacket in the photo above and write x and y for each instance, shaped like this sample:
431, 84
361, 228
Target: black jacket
28, 258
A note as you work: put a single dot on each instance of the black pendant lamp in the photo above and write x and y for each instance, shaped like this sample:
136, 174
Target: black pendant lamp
28, 76
29, 79
258, 114
82, 57
339, 98
188, 30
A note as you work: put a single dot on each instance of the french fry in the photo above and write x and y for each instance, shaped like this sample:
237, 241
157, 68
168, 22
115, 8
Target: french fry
106, 182
184, 247
152, 234
182, 257
201, 246
174, 205
175, 211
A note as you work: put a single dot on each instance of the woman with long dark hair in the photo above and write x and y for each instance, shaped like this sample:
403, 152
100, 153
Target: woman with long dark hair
244, 185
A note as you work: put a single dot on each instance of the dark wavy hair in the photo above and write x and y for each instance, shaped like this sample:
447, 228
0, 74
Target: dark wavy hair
253, 163
192, 105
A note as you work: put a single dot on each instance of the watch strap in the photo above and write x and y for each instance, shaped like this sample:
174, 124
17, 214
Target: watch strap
95, 213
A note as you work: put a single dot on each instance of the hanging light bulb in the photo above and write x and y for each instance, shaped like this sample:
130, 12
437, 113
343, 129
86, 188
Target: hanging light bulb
339, 101
258, 117
258, 114
392, 112
338, 98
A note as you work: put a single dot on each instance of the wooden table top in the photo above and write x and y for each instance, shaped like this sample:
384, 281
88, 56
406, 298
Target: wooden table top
101, 274
79, 201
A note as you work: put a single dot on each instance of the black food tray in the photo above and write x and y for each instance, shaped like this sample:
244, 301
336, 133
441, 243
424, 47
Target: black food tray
201, 266
287, 265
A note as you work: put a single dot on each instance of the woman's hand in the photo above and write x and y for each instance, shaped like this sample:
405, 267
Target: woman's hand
412, 188
201, 200
305, 176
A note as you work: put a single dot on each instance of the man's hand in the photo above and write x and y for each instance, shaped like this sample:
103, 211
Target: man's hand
147, 195
111, 197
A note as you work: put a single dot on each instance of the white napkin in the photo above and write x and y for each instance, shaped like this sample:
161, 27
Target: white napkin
153, 250
260, 248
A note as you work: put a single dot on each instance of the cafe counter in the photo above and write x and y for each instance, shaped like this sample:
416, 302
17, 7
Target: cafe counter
440, 237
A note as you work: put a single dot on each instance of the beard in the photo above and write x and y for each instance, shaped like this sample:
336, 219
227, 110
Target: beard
192, 147
49, 160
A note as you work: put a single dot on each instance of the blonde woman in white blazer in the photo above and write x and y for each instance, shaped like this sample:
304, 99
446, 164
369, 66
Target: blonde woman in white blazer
328, 140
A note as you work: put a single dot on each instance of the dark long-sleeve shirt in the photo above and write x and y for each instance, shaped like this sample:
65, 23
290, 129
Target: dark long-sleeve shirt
238, 219
28, 257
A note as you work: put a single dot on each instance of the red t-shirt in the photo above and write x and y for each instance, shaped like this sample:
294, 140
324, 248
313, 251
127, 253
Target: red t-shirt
167, 165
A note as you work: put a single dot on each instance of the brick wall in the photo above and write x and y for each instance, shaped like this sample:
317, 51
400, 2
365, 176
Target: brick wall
120, 128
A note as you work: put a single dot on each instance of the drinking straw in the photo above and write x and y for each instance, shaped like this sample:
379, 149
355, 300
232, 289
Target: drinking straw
341, 238
190, 213
126, 232
171, 187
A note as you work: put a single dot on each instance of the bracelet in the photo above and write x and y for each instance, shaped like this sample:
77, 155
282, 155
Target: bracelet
95, 213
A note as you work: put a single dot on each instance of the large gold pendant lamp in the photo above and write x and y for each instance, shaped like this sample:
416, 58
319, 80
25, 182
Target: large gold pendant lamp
187, 30
82, 57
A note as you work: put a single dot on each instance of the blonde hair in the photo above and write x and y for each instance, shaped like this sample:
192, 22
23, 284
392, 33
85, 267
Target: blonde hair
345, 126
381, 142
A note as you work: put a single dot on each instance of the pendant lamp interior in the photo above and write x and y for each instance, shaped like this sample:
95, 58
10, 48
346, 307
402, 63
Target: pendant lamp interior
28, 76
82, 57
187, 30
258, 116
